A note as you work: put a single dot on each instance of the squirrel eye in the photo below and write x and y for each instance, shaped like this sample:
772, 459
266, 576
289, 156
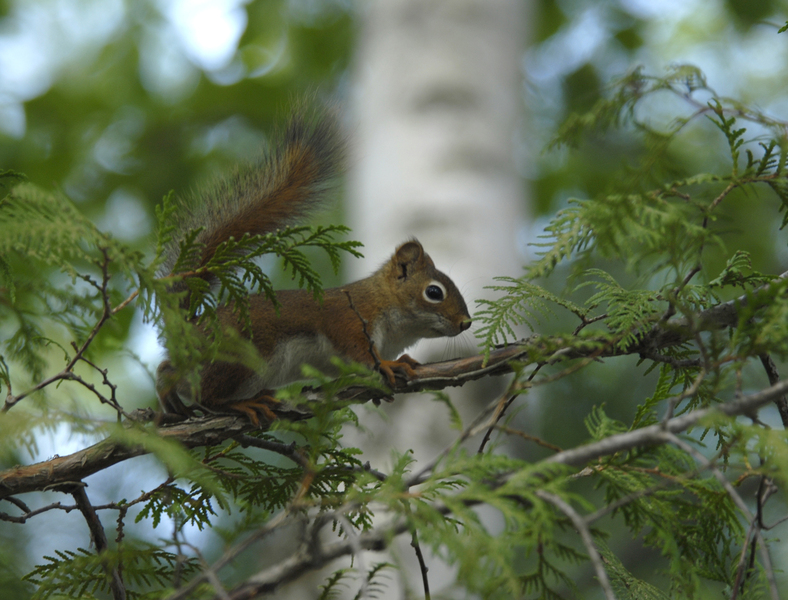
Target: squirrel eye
434, 292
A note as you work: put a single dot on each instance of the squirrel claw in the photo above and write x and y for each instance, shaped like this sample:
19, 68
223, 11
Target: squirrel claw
261, 405
403, 366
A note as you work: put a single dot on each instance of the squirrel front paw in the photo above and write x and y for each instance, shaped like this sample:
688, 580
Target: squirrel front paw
403, 366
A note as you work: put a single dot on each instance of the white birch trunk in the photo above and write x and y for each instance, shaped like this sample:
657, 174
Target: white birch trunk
438, 101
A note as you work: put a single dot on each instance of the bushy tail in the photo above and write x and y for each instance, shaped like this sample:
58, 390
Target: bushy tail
281, 188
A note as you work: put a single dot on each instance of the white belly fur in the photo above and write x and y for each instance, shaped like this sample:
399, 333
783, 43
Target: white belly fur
284, 366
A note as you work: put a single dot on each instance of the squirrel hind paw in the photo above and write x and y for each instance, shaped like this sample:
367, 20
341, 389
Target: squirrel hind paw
254, 408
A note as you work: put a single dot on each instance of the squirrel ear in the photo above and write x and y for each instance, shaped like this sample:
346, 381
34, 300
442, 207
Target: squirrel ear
409, 252
406, 257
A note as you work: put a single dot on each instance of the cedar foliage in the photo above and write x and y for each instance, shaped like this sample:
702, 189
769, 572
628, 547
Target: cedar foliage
662, 241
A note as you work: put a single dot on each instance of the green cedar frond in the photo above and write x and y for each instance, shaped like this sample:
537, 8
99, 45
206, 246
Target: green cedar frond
5, 377
600, 426
733, 136
189, 250
455, 418
338, 582
335, 584
77, 574
631, 227
568, 233
376, 576
733, 274
679, 511
625, 585
8, 180
50, 229
166, 227
178, 460
605, 113
186, 507
630, 313
762, 325
646, 414
522, 303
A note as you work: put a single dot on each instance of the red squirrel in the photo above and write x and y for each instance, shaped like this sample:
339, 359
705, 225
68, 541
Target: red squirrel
370, 321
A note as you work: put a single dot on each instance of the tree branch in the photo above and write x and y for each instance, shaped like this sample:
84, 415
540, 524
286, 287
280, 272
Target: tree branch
313, 554
585, 535
98, 536
430, 376
74, 467
214, 430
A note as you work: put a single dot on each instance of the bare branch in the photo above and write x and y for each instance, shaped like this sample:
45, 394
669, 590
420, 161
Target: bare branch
655, 434
29, 514
98, 536
67, 372
277, 522
74, 467
774, 377
425, 581
585, 535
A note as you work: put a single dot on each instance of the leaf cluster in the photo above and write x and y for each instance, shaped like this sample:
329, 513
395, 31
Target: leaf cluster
83, 574
649, 272
643, 262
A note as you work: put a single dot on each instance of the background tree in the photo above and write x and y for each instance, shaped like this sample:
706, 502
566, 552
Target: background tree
109, 152
436, 98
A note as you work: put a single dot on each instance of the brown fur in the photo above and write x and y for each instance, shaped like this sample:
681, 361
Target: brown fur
397, 286
370, 321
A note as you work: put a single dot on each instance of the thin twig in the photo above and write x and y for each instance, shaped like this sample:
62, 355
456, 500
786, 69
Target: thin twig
530, 438
210, 573
291, 451
674, 362
99, 538
125, 303
677, 290
231, 554
587, 322
585, 535
502, 406
479, 424
691, 391
514, 388
357, 553
738, 583
728, 189
112, 400
425, 581
32, 513
774, 377
67, 373
414, 543
742, 506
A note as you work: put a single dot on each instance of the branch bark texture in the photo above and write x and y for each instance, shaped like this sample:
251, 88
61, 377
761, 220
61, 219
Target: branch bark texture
214, 430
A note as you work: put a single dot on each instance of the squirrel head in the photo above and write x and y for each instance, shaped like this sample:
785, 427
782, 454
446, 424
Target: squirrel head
428, 297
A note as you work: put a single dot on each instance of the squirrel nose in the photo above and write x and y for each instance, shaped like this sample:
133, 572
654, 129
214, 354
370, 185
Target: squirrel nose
465, 324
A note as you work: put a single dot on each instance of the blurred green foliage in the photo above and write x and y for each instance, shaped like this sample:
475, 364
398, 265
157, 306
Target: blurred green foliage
103, 126
115, 139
